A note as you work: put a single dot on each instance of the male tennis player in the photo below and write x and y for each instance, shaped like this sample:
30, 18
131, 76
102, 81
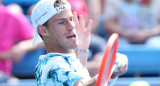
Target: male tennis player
66, 40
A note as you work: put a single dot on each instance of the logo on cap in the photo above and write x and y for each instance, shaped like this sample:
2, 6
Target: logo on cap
40, 17
59, 9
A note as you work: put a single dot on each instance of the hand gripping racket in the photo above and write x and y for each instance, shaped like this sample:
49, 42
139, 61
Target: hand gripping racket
108, 60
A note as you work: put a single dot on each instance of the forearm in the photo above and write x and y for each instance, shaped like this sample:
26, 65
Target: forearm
18, 50
155, 31
113, 27
27, 45
92, 82
82, 56
4, 56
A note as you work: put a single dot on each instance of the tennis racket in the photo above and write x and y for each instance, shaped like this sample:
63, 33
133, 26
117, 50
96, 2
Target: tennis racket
109, 57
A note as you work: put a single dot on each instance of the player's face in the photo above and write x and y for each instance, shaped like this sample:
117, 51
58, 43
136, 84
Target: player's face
61, 28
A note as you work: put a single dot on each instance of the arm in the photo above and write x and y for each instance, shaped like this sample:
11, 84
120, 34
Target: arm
112, 26
18, 50
121, 68
89, 83
83, 37
133, 35
84, 42
112, 14
94, 10
111, 22
23, 33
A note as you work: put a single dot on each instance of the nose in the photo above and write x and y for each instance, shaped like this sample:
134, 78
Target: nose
71, 25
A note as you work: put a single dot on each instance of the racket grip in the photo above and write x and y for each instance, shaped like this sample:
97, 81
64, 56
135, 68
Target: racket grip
115, 67
96, 77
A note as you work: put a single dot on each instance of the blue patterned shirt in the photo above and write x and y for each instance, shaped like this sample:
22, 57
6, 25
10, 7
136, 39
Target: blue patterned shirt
56, 69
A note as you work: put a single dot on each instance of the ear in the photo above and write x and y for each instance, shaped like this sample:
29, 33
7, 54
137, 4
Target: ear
42, 30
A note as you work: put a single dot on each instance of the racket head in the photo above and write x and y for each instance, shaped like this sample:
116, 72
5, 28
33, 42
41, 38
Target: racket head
108, 60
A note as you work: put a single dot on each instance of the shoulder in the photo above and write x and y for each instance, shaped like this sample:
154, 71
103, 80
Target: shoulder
49, 61
54, 69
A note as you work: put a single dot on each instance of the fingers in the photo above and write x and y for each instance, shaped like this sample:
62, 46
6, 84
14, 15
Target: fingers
122, 63
122, 69
82, 23
89, 25
121, 59
75, 18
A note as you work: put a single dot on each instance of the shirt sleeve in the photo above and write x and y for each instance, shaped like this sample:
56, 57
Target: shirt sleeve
61, 76
56, 73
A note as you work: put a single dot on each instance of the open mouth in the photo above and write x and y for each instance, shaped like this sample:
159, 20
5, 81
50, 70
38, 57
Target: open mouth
71, 36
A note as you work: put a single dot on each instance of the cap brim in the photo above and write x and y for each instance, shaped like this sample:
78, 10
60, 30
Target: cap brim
37, 39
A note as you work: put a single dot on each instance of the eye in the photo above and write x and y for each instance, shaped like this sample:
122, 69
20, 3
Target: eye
61, 22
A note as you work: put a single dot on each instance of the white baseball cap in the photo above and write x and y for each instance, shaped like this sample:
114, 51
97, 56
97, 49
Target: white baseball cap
42, 12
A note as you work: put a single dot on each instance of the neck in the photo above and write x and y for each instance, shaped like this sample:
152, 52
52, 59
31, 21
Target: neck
53, 48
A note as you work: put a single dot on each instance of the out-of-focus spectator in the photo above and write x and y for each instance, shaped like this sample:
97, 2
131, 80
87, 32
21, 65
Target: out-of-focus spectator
94, 11
29, 11
24, 4
15, 40
15, 8
136, 21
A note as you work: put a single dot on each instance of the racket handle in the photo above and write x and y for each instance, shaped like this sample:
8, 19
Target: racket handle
112, 81
96, 77
114, 68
